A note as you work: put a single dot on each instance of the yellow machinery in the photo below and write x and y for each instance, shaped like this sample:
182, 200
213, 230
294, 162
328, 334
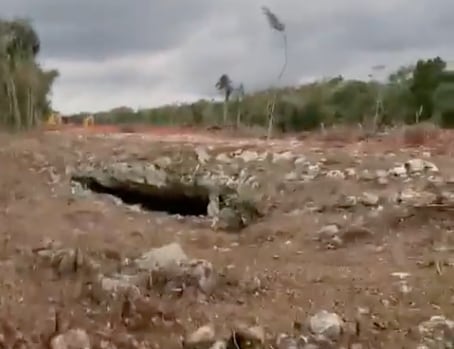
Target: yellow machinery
88, 121
54, 119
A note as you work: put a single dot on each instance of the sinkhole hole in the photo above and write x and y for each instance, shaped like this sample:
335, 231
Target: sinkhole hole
168, 200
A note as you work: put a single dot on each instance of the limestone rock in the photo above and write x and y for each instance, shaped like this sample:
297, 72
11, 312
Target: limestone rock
327, 324
202, 338
247, 337
171, 269
369, 199
162, 257
72, 339
437, 332
419, 165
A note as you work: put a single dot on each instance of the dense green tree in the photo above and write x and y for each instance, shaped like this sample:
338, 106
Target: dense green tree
426, 75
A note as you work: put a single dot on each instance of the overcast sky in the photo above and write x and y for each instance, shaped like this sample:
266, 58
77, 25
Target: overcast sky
144, 53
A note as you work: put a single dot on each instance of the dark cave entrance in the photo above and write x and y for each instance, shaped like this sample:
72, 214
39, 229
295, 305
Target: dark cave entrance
168, 200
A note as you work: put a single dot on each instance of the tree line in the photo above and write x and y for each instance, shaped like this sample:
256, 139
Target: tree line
407, 96
25, 85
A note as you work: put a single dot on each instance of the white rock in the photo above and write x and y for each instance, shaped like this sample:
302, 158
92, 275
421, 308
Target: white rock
162, 257
300, 160
248, 155
350, 172
335, 174
366, 175
222, 157
291, 176
328, 232
72, 339
286, 156
327, 324
313, 170
436, 332
369, 199
203, 334
202, 155
419, 165
398, 171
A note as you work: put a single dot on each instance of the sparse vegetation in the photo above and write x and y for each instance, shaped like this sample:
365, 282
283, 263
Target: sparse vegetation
25, 85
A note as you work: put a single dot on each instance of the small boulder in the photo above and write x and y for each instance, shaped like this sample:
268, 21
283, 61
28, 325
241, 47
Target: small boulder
162, 257
437, 332
71, 339
202, 338
326, 324
419, 165
369, 199
247, 337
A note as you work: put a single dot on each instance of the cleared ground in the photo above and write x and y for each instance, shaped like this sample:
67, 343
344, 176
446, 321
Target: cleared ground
274, 273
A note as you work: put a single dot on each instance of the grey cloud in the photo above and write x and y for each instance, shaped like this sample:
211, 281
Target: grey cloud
208, 37
329, 42
100, 29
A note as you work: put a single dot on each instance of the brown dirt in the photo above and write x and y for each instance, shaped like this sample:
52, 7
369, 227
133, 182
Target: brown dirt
297, 277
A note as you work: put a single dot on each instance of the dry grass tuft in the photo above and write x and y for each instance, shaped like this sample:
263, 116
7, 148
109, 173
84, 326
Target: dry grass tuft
343, 134
420, 134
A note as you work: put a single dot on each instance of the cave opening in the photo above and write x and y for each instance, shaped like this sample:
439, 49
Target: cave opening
159, 199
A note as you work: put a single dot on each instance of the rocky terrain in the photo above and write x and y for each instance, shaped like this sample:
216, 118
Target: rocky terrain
132, 241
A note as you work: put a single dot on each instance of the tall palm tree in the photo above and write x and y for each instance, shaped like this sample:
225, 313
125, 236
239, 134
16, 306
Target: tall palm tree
278, 26
224, 84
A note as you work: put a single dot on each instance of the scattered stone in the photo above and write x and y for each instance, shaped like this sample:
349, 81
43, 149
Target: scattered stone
350, 172
202, 338
313, 170
284, 341
326, 324
411, 197
398, 171
173, 270
337, 174
202, 155
437, 332
72, 339
248, 155
381, 174
202, 273
162, 257
366, 175
228, 220
67, 260
247, 337
328, 232
222, 157
346, 201
286, 156
120, 284
413, 166
382, 180
369, 199
300, 160
163, 162
291, 176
